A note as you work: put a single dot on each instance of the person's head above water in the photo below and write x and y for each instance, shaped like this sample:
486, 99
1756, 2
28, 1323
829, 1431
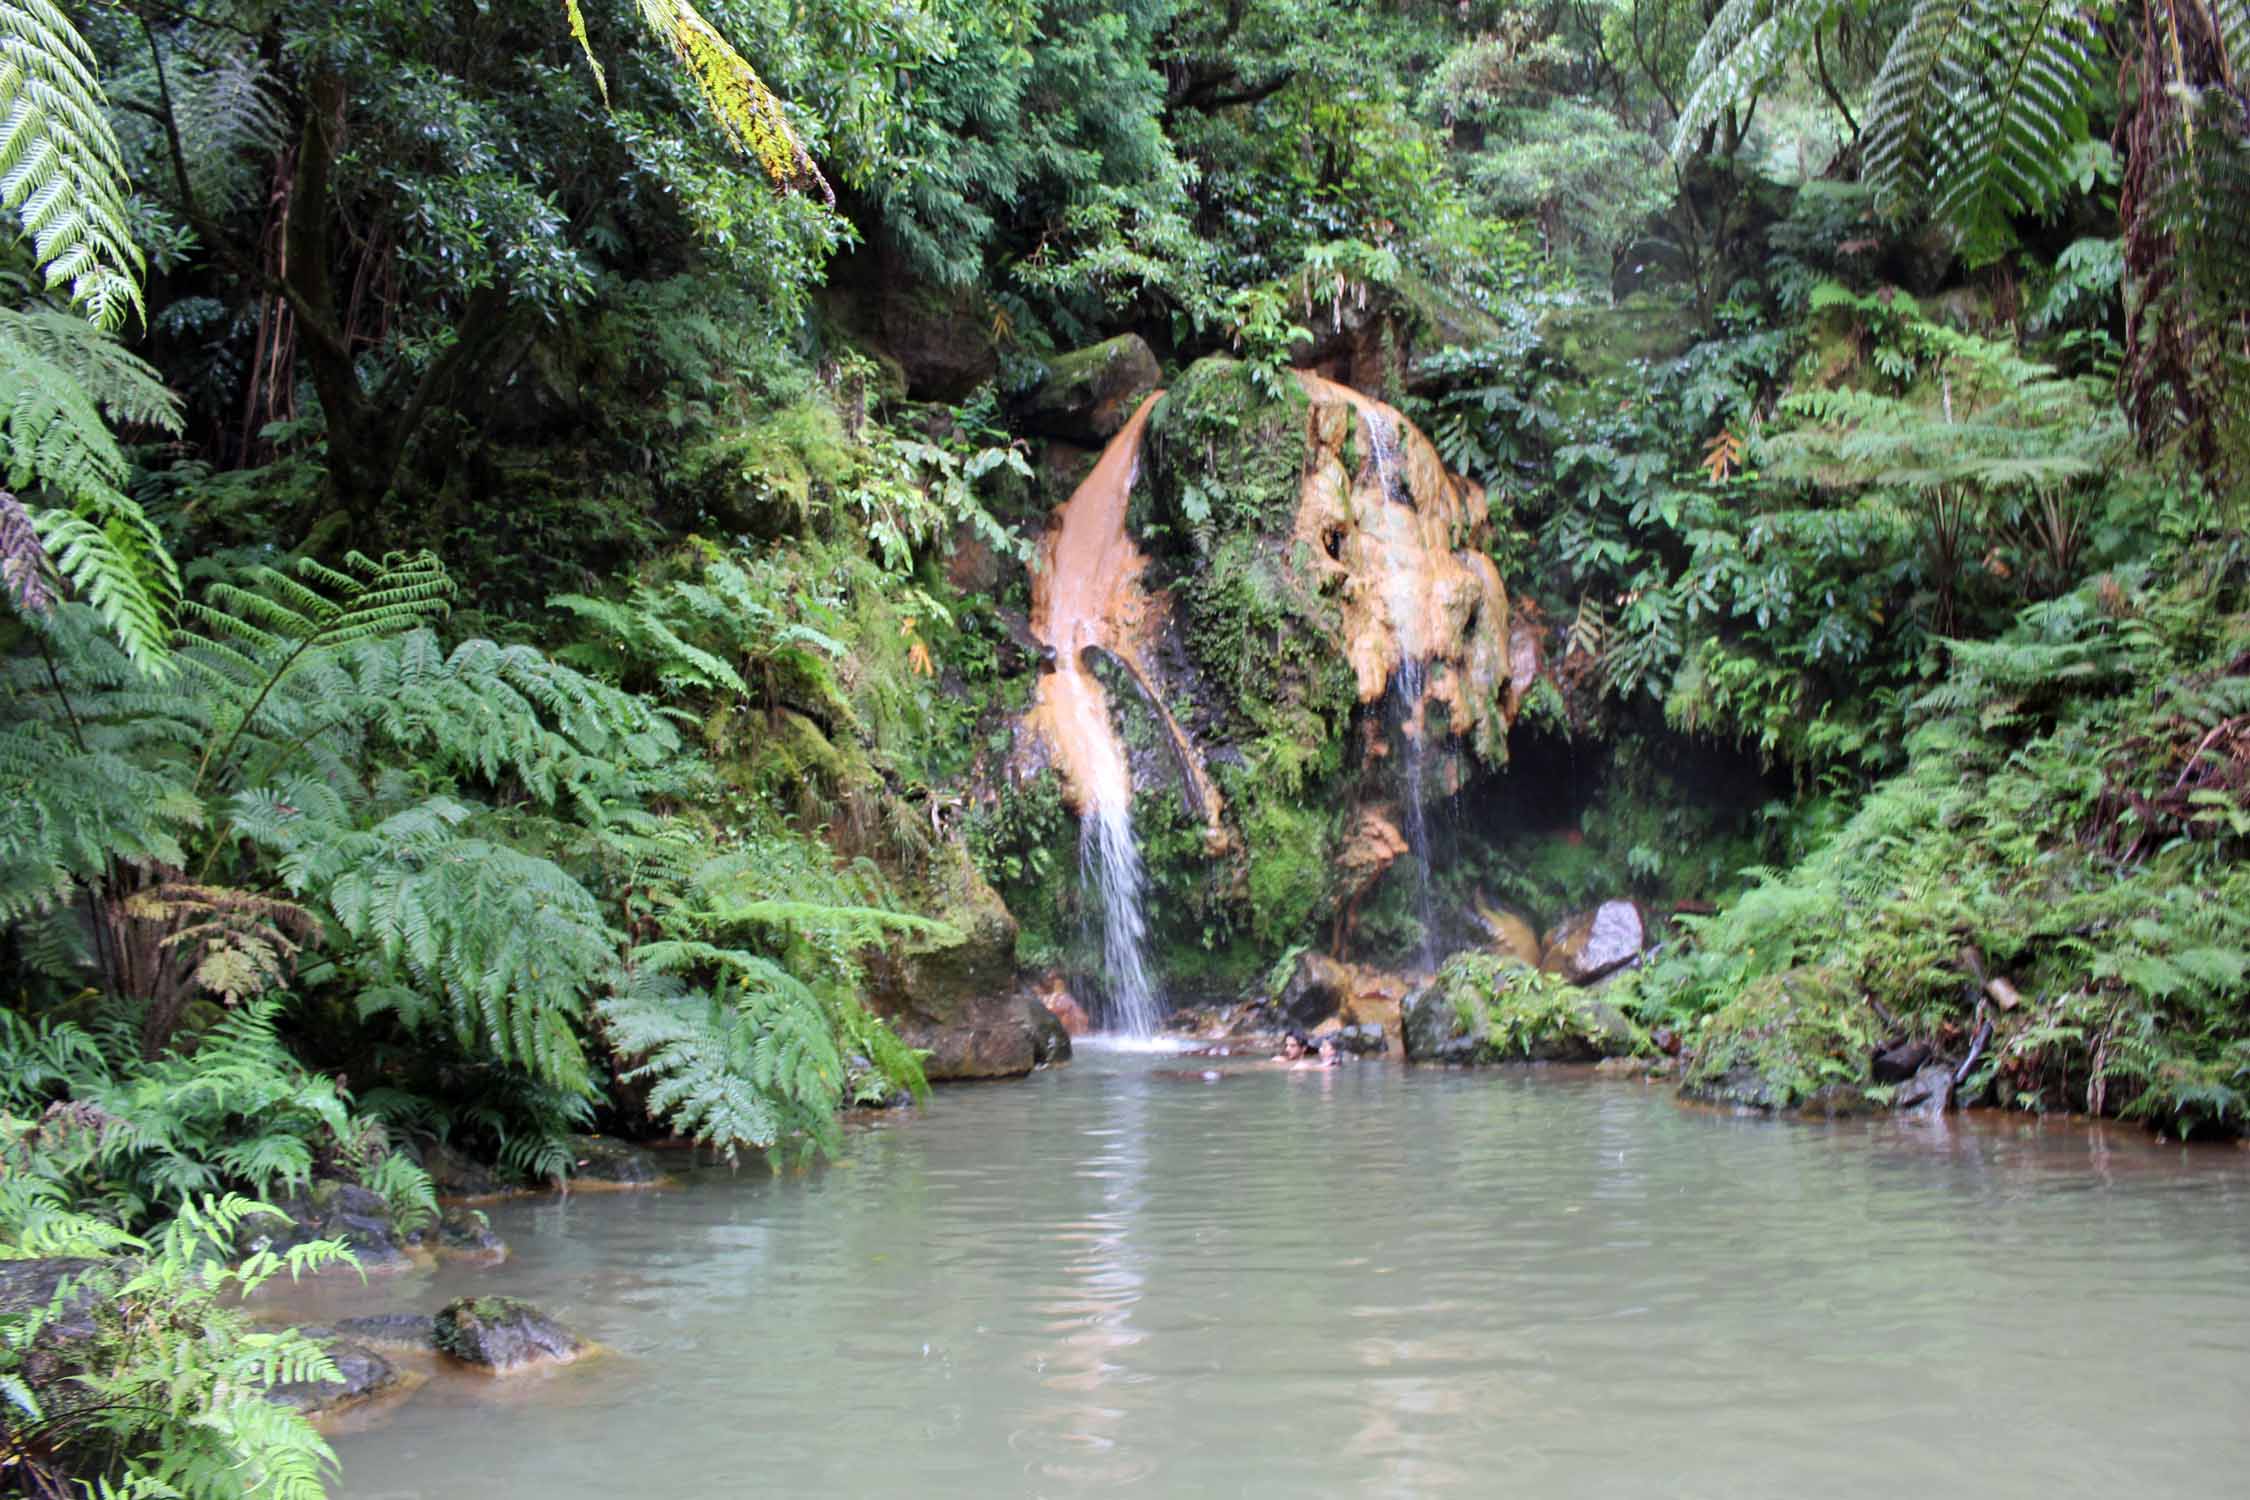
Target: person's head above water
1293, 1045
1328, 1052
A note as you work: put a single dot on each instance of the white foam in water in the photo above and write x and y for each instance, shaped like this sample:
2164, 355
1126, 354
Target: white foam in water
1111, 1041
1109, 861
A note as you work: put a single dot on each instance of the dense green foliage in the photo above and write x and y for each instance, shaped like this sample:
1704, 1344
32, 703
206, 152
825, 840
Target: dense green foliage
514, 609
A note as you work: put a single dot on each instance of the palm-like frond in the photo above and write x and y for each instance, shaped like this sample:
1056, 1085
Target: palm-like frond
1747, 44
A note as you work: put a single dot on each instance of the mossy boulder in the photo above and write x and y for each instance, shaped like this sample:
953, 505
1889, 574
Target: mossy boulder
1490, 1008
1086, 395
467, 1234
1784, 1039
958, 991
779, 459
504, 1336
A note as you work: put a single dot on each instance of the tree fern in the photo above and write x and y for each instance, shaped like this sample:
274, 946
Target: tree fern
54, 381
1979, 107
60, 170
1744, 48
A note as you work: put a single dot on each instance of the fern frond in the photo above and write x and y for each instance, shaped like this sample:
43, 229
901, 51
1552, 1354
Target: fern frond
60, 170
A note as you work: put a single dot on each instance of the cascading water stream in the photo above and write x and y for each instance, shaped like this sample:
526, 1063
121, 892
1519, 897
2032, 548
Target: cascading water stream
1109, 863
1085, 587
1408, 686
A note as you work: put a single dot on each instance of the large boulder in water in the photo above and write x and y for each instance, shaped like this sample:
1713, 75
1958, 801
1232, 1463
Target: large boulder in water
504, 1335
1088, 393
957, 992
1439, 1030
1593, 945
1318, 989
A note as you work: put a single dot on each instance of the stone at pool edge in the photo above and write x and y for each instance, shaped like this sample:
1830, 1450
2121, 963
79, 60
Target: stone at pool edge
504, 1336
462, 1233
330, 1210
364, 1374
598, 1161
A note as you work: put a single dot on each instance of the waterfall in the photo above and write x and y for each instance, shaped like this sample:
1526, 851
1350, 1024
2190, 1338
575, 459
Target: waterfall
1109, 863
1408, 686
1085, 586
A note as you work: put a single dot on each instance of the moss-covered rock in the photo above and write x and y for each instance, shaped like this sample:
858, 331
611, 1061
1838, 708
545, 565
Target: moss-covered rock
959, 992
1489, 1008
1784, 1039
1086, 395
504, 1336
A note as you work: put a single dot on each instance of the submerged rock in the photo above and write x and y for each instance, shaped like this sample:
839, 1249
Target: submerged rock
391, 1330
504, 1335
1087, 394
362, 1373
1593, 945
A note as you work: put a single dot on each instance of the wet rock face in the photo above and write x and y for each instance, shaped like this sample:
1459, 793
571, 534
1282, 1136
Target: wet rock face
1929, 1093
1050, 1039
1396, 538
957, 993
504, 1335
1087, 394
1593, 945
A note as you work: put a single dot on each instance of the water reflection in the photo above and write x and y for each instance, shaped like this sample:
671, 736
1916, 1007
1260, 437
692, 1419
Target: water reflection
1121, 1278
